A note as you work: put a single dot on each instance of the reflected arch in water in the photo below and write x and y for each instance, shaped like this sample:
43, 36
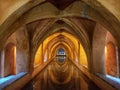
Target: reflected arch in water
61, 55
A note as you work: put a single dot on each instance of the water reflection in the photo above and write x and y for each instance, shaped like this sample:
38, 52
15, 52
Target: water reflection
61, 55
61, 58
62, 76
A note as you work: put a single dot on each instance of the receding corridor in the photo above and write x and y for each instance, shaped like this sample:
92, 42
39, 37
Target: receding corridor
62, 74
59, 44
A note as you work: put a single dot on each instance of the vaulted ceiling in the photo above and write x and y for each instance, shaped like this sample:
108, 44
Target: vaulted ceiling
42, 18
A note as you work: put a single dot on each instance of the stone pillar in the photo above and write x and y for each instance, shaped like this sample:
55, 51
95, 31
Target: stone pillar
78, 52
0, 65
118, 61
99, 41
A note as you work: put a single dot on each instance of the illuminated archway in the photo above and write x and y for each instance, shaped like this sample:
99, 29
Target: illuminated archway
61, 54
39, 56
111, 60
66, 48
83, 57
10, 59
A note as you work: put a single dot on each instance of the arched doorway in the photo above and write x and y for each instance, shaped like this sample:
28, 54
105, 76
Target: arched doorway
111, 67
10, 59
61, 51
61, 55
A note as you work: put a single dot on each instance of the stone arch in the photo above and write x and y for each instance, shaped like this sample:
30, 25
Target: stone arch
5, 26
85, 44
65, 40
61, 51
65, 46
99, 41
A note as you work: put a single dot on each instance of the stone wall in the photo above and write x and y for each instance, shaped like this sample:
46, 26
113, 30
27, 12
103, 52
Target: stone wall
20, 39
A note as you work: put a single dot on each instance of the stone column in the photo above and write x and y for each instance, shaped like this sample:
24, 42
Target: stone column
118, 61
99, 41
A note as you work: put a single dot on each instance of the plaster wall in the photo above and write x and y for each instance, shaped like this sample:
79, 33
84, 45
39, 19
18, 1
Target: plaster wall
7, 7
110, 38
22, 50
113, 6
20, 39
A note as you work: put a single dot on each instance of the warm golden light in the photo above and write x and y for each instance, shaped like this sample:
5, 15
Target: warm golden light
105, 50
14, 48
51, 43
83, 57
105, 53
38, 57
